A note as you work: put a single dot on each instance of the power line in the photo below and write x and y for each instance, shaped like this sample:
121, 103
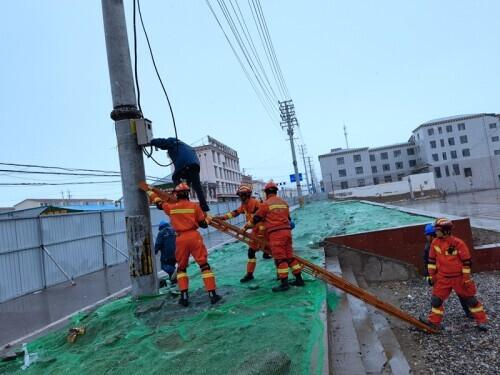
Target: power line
56, 183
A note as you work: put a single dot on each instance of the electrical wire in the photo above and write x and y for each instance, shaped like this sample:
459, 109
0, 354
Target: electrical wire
56, 183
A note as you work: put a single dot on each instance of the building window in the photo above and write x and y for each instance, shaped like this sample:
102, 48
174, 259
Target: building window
456, 169
437, 172
447, 171
468, 172
387, 178
441, 142
399, 165
356, 158
359, 170
444, 156
216, 174
453, 154
342, 173
344, 185
418, 135
340, 161
412, 163
440, 130
435, 157
386, 167
430, 131
433, 144
384, 156
449, 128
451, 141
397, 153
218, 158
493, 125
400, 176
497, 152
374, 169
213, 155
463, 139
461, 126
375, 181
494, 139
410, 151
361, 182
372, 157
465, 152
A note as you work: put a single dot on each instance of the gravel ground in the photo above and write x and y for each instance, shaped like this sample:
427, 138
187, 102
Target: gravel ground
460, 348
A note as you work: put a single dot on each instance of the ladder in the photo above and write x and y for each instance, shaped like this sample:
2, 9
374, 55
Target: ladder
310, 268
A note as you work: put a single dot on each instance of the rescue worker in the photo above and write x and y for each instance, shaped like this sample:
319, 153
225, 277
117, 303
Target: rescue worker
165, 244
249, 206
186, 217
449, 268
430, 234
186, 165
275, 214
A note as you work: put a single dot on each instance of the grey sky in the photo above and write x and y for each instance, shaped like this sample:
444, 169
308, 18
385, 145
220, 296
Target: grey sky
383, 67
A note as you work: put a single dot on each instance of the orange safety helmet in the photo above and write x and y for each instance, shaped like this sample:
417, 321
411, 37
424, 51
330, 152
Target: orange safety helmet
443, 224
244, 190
181, 187
271, 187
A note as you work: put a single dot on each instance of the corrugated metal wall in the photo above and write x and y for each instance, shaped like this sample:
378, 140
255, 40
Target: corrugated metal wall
79, 243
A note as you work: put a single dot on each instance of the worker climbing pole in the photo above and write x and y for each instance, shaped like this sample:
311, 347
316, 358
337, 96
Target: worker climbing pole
309, 268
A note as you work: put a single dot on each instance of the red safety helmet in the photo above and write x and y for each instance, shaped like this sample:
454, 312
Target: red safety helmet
271, 187
244, 190
181, 187
443, 224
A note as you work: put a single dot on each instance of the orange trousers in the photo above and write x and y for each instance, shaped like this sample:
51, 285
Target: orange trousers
280, 243
442, 289
191, 243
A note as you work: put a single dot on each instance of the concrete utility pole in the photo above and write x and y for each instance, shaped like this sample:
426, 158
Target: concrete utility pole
289, 121
311, 172
345, 135
303, 153
137, 217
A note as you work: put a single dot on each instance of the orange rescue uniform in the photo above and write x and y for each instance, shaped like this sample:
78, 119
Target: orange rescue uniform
276, 216
249, 208
184, 217
449, 266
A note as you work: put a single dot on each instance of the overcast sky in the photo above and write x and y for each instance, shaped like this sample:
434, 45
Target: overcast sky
382, 67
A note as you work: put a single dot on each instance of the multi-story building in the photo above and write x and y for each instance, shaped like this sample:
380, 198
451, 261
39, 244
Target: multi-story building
219, 170
35, 202
462, 151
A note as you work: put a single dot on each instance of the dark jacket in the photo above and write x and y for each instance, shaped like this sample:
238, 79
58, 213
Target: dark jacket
426, 256
181, 154
165, 242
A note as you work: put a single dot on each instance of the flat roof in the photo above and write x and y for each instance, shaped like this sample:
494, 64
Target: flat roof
343, 152
445, 120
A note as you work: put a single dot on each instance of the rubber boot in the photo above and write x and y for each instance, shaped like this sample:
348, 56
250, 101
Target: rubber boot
483, 327
184, 300
283, 287
214, 297
299, 281
248, 277
162, 284
266, 255
425, 320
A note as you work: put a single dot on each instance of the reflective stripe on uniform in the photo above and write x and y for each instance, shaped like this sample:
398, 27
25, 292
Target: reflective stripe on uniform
282, 270
180, 275
276, 206
431, 266
206, 275
229, 215
296, 267
182, 211
437, 311
252, 260
476, 309
465, 270
438, 249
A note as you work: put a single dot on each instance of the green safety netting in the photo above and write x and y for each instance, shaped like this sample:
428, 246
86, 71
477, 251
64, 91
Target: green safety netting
253, 331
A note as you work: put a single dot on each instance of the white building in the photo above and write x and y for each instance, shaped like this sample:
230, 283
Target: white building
33, 202
462, 151
219, 170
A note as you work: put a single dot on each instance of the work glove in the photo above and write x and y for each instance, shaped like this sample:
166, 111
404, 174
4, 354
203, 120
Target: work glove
292, 224
159, 204
429, 280
208, 219
248, 225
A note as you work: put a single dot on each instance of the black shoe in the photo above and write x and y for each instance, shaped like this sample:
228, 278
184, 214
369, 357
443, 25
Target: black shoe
426, 321
283, 287
483, 327
184, 300
248, 277
214, 297
299, 281
266, 256
162, 284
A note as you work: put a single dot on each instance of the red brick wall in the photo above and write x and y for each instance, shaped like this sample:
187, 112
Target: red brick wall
407, 243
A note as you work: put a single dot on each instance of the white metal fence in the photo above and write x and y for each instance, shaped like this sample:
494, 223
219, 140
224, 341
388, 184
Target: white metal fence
39, 252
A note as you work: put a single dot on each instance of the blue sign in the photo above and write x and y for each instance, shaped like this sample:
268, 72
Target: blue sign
292, 177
